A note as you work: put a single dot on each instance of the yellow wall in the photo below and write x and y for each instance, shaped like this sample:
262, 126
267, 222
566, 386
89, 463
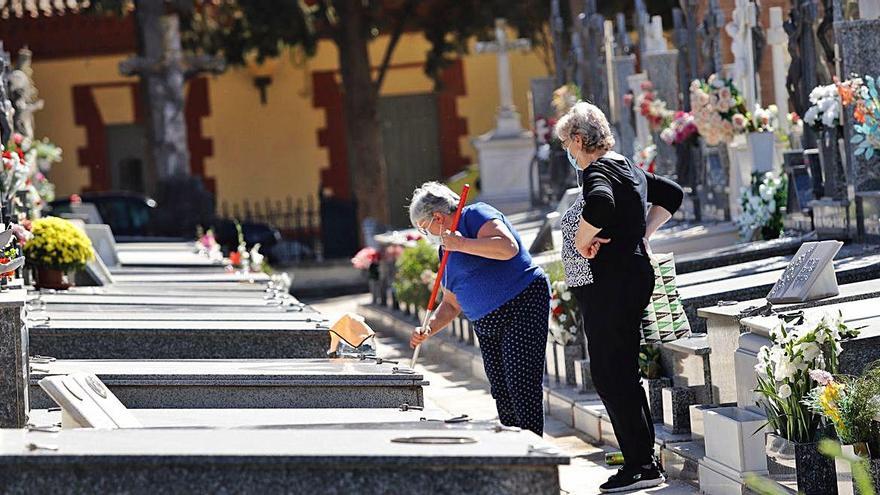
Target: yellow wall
266, 151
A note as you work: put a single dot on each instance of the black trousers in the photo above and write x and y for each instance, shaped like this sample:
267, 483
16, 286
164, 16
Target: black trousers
612, 308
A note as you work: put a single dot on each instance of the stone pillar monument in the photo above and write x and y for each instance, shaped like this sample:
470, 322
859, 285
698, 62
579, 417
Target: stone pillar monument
778, 41
742, 45
661, 65
624, 64
505, 153
14, 370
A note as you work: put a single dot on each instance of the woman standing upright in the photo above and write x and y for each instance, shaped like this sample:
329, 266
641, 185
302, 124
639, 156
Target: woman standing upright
611, 230
491, 277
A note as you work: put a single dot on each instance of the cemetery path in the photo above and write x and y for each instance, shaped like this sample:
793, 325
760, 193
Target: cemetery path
456, 393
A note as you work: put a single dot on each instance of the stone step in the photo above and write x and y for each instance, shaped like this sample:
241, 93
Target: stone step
682, 460
242, 383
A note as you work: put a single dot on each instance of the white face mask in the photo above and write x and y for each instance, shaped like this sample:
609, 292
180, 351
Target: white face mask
431, 238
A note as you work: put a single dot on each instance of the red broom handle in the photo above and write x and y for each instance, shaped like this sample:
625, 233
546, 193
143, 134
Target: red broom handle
442, 268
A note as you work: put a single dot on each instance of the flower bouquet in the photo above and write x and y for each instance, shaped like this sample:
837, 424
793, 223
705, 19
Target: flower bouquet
849, 403
762, 204
367, 259
57, 246
828, 102
645, 158
564, 314
783, 373
867, 116
652, 108
715, 103
681, 128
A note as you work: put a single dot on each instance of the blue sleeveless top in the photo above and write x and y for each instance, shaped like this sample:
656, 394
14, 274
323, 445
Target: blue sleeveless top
480, 284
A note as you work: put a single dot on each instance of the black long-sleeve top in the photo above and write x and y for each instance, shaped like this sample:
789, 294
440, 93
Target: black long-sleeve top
616, 196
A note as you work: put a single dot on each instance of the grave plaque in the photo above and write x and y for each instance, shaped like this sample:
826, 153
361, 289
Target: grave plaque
809, 276
800, 180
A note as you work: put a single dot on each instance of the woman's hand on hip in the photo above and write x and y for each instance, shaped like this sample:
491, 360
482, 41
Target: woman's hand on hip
593, 248
419, 335
453, 241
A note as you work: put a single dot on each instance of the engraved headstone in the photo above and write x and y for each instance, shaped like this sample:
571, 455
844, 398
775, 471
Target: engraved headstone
86, 402
809, 276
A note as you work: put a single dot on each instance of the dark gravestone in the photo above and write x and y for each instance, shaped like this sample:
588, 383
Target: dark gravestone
800, 181
809, 276
713, 189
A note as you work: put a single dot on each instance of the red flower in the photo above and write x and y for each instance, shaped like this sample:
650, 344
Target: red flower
557, 311
75, 199
235, 258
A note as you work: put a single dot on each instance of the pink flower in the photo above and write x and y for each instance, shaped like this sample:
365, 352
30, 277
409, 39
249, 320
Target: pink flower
17, 138
821, 377
364, 258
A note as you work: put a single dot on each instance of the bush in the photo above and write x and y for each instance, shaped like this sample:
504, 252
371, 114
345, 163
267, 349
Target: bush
416, 270
58, 245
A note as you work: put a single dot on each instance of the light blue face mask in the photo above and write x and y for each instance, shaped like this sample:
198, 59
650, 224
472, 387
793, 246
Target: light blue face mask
572, 160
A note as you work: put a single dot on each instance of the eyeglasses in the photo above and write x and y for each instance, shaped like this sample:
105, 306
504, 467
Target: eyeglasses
424, 230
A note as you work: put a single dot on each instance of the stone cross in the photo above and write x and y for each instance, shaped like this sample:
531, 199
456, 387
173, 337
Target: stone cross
778, 41
577, 51
6, 109
613, 111
595, 79
163, 68
558, 25
711, 32
641, 20
690, 9
624, 67
24, 95
654, 39
742, 45
804, 70
685, 48
622, 42
507, 120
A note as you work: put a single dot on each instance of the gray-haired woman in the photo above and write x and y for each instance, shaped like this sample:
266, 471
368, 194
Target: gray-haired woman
490, 277
610, 225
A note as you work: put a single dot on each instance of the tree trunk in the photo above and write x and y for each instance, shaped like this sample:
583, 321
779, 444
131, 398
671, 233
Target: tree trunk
360, 102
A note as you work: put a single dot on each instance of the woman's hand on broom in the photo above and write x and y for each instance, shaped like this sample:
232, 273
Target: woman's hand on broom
419, 335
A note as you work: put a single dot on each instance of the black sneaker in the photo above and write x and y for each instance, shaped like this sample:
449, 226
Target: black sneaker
628, 478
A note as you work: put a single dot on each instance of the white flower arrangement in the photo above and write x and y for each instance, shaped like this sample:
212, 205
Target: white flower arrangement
827, 107
785, 367
564, 315
760, 205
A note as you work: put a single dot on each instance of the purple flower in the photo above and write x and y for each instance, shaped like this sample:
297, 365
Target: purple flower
821, 377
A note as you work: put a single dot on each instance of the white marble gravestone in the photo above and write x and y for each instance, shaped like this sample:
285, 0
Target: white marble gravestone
809, 276
505, 153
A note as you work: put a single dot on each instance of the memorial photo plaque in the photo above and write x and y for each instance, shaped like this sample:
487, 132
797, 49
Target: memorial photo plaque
809, 276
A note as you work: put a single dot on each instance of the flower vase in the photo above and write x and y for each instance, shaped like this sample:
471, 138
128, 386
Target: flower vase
571, 353
845, 485
654, 391
802, 463
762, 146
50, 278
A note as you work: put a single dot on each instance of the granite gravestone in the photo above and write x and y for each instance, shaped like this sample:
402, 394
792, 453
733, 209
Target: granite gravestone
13, 360
809, 276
